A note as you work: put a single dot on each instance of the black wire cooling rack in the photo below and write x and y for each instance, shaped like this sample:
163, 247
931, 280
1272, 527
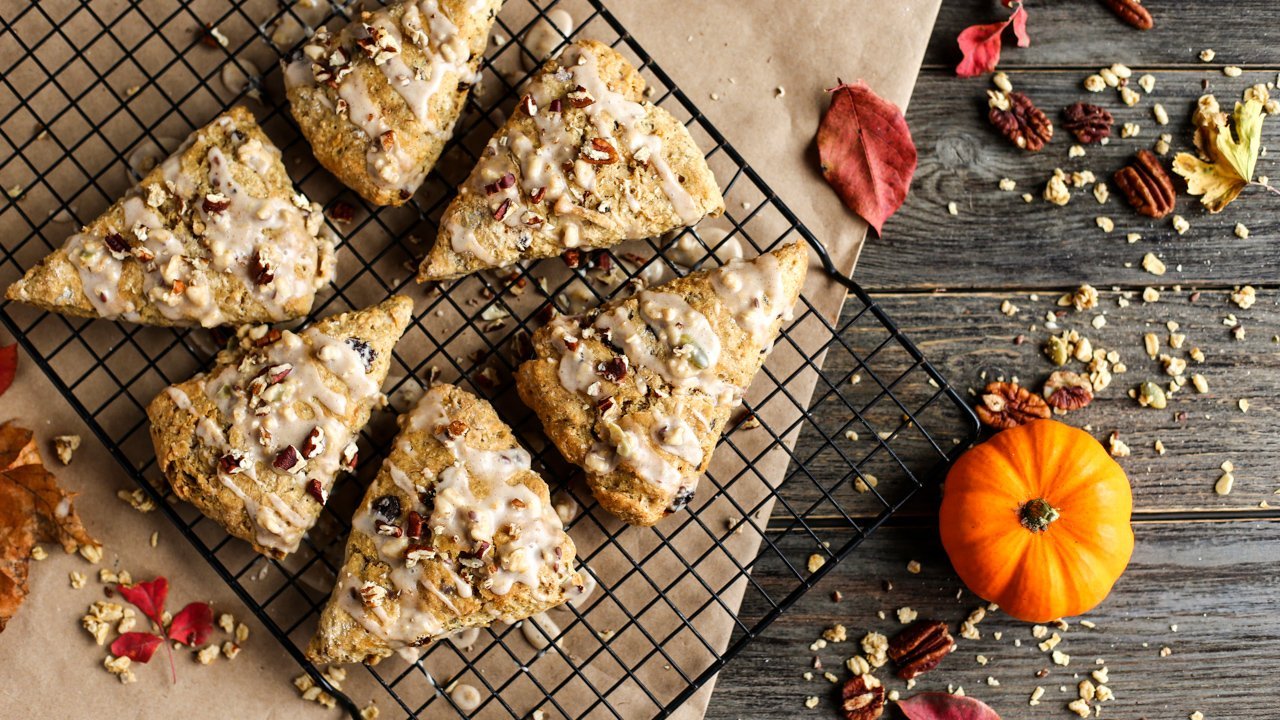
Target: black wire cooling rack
817, 460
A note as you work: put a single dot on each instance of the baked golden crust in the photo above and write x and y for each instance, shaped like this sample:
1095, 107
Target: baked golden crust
582, 162
638, 391
415, 568
222, 438
164, 254
413, 63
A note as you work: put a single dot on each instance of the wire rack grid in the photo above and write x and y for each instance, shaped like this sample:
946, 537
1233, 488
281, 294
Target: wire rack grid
816, 460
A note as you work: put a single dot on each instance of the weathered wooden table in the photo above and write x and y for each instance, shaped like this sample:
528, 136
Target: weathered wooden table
1202, 582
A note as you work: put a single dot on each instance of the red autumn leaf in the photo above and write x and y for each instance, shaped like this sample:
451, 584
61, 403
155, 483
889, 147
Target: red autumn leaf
866, 151
1019, 22
192, 625
8, 366
148, 597
137, 646
945, 706
980, 44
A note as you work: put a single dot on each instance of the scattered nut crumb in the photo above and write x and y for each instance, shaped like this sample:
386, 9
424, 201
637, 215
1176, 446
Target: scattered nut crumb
1001, 81
1130, 129
952, 208
77, 580
1147, 83
1180, 224
1007, 184
1242, 232
1231, 71
836, 633
1152, 264
1105, 223
208, 654
65, 447
1207, 55
913, 567
816, 562
1161, 115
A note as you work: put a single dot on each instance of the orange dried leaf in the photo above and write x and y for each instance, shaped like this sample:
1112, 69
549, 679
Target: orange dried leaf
867, 153
32, 509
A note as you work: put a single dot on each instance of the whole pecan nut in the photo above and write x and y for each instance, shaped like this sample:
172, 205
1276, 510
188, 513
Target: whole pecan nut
1066, 390
1004, 405
920, 647
1019, 120
862, 698
1146, 185
1089, 123
1132, 12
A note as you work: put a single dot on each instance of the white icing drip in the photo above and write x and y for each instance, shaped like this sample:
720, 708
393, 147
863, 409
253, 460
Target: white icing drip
635, 444
478, 502
540, 630
753, 293
277, 398
178, 268
687, 349
610, 107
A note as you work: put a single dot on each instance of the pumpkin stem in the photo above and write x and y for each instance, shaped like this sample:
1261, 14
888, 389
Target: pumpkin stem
1038, 514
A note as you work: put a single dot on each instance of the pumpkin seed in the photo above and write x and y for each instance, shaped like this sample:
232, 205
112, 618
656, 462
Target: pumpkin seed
1152, 395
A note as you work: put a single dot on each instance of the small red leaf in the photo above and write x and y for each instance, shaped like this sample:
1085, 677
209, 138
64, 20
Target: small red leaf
1019, 22
192, 625
148, 597
137, 646
945, 706
980, 44
867, 153
8, 366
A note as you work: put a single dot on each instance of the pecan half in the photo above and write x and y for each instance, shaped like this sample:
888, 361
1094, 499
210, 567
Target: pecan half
599, 152
920, 647
1089, 123
1005, 405
1018, 119
317, 491
1132, 12
862, 698
1146, 185
1066, 390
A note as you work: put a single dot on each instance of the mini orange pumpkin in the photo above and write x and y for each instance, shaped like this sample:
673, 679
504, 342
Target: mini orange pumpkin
1036, 519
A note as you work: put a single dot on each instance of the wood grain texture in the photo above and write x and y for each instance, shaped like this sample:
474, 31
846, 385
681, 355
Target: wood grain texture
1214, 582
996, 240
943, 278
1084, 33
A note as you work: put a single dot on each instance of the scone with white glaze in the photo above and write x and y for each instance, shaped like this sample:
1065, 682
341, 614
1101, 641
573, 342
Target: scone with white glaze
257, 442
378, 99
584, 162
638, 391
455, 532
214, 235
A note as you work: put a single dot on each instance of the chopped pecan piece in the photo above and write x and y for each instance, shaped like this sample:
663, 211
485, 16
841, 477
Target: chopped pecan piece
413, 525
501, 212
1132, 12
215, 203
1146, 185
528, 105
314, 444
1089, 123
260, 270
920, 647
342, 212
862, 698
268, 337
579, 97
1066, 390
1005, 405
1019, 120
599, 152
316, 490
289, 460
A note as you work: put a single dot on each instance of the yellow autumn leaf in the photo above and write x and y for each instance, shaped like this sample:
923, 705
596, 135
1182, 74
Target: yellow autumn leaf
1234, 158
1216, 185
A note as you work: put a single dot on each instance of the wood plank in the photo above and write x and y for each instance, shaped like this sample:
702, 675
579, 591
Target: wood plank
967, 335
1183, 575
999, 241
1085, 33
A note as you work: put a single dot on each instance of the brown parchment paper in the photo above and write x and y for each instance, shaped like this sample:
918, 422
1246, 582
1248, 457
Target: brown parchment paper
766, 64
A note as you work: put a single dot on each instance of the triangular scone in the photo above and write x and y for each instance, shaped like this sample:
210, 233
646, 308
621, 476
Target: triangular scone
378, 99
583, 162
256, 442
213, 235
638, 391
456, 531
